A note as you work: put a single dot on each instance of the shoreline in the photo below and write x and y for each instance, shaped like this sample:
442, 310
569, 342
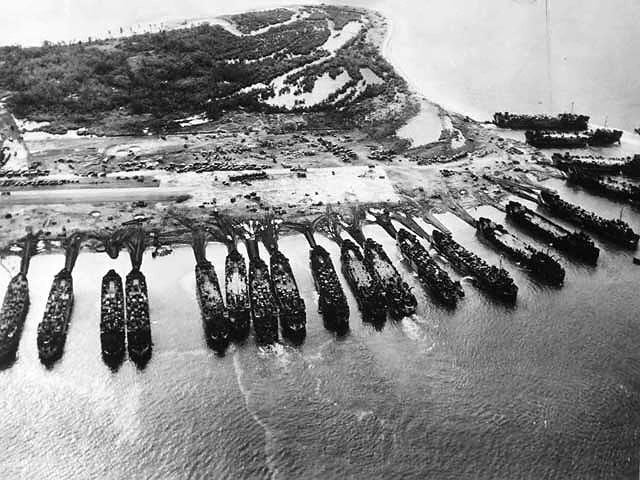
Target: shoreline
387, 52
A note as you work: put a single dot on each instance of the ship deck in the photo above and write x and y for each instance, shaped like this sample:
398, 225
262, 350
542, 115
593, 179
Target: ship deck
546, 224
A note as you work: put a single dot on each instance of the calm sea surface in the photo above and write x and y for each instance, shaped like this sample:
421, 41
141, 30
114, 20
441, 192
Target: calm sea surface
548, 389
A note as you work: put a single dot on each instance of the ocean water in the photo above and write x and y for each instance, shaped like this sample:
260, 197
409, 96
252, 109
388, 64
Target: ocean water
548, 389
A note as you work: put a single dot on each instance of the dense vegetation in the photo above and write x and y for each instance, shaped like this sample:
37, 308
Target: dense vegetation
252, 21
153, 80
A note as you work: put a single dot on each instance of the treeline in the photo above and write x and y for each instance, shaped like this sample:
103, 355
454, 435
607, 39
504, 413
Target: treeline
252, 21
168, 75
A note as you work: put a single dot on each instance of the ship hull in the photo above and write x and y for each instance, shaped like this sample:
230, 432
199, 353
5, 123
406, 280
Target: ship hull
545, 140
264, 311
596, 138
112, 320
435, 280
577, 246
614, 191
401, 302
598, 166
559, 123
12, 317
138, 325
540, 265
332, 303
291, 306
215, 320
237, 293
52, 331
368, 292
615, 231
495, 281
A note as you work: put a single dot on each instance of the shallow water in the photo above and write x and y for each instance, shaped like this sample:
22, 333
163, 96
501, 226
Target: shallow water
546, 389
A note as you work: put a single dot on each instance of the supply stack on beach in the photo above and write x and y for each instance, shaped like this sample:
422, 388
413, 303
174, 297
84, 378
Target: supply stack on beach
215, 319
52, 330
138, 323
15, 306
575, 244
495, 281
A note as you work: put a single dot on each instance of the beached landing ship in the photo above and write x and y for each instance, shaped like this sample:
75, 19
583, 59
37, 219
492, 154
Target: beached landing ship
138, 324
495, 281
215, 319
52, 330
629, 167
15, 306
400, 299
112, 315
291, 306
541, 265
235, 282
365, 287
264, 309
430, 274
575, 244
600, 137
606, 187
332, 302
237, 293
367, 290
112, 307
615, 230
564, 122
